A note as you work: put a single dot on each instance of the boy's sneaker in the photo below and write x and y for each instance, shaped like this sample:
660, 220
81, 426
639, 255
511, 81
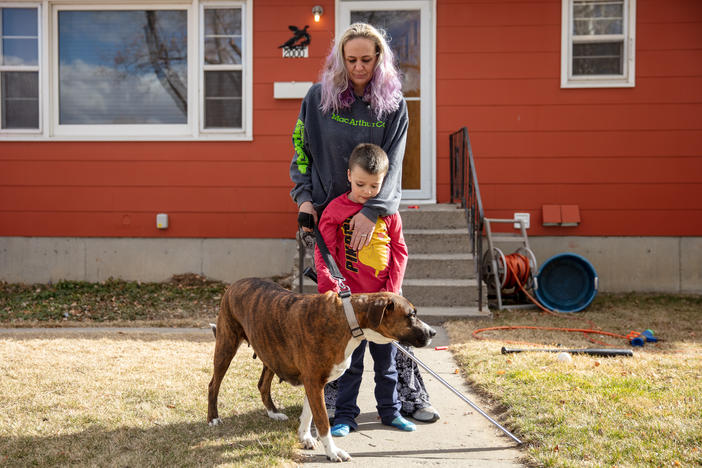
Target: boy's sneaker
403, 424
340, 430
427, 414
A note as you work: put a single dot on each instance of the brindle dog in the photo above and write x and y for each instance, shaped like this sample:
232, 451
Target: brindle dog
305, 339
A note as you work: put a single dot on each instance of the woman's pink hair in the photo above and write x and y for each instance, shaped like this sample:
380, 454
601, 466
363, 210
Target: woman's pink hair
383, 92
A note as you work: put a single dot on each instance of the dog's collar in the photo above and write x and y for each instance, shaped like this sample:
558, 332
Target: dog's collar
345, 295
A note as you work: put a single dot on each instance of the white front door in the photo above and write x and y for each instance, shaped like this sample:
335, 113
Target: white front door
409, 26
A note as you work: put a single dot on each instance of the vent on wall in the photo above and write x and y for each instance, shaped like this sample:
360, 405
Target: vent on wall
560, 215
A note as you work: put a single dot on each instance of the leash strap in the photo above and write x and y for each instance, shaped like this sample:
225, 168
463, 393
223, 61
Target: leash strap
328, 259
344, 290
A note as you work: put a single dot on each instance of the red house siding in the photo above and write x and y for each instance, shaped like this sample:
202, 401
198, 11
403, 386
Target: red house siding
209, 189
630, 158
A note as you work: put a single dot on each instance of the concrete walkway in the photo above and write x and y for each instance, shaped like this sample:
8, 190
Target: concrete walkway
461, 438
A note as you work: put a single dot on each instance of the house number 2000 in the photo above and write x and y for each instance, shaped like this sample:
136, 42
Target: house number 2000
295, 52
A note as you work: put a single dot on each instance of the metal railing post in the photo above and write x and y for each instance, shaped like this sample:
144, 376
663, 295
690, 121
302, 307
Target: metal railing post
464, 187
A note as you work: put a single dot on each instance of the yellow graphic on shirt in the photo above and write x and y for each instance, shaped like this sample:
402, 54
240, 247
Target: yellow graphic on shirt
377, 254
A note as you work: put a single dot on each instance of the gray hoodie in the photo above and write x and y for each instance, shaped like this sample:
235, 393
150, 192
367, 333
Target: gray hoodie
323, 144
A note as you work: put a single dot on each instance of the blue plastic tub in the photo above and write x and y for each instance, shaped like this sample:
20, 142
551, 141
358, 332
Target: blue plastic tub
566, 282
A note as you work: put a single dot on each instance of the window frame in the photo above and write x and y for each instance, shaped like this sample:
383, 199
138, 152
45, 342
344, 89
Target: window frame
126, 130
49, 128
626, 79
28, 68
245, 75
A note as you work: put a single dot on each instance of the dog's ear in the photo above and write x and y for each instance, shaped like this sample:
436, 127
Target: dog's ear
378, 307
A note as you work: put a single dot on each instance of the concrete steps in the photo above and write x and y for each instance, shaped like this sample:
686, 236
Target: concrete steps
440, 265
441, 277
441, 292
447, 216
437, 240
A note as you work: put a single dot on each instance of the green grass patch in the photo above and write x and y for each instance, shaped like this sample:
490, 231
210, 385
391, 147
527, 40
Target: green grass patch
593, 411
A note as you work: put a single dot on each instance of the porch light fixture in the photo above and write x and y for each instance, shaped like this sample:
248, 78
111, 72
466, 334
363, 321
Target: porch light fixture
317, 11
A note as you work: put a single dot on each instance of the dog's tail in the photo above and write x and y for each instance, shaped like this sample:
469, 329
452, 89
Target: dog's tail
213, 326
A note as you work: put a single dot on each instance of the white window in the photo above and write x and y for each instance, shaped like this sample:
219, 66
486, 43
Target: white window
19, 69
597, 48
144, 71
222, 69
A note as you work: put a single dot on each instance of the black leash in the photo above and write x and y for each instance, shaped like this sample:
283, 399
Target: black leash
307, 220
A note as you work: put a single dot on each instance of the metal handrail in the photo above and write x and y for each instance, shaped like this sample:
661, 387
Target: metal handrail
464, 188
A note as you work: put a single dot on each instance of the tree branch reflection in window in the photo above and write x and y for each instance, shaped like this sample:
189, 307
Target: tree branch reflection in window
223, 69
122, 67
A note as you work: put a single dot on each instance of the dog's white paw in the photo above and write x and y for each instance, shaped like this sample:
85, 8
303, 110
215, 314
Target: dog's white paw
308, 442
216, 422
338, 455
277, 416
333, 452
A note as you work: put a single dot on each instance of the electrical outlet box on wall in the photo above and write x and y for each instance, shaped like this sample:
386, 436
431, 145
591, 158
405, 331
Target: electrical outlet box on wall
524, 217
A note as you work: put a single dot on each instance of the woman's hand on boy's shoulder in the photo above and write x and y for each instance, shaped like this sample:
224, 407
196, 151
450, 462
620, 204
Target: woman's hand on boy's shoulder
362, 231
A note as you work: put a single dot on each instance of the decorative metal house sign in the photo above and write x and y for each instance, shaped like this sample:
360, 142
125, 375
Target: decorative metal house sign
296, 46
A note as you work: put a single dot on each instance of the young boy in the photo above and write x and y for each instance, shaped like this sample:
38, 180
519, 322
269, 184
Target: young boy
380, 266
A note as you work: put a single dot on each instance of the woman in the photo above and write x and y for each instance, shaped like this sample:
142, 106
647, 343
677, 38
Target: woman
358, 100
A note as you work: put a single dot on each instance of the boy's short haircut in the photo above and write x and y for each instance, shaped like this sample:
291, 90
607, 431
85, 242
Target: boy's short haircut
369, 157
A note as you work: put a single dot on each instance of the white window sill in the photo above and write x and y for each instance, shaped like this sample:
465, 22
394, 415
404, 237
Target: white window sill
203, 137
598, 84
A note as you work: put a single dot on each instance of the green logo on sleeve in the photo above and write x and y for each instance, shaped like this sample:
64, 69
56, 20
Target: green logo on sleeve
303, 161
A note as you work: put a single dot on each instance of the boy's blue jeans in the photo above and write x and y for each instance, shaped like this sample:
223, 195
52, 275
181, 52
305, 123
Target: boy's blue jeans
388, 404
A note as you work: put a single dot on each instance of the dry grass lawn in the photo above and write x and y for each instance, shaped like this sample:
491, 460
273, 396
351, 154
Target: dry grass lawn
120, 401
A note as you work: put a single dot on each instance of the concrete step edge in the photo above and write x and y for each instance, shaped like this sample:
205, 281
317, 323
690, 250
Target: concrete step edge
441, 256
435, 232
430, 207
437, 315
439, 282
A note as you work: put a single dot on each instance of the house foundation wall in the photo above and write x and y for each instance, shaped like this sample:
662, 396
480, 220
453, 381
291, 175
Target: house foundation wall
51, 259
623, 264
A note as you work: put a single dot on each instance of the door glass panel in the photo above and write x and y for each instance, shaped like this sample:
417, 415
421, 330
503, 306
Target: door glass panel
403, 29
